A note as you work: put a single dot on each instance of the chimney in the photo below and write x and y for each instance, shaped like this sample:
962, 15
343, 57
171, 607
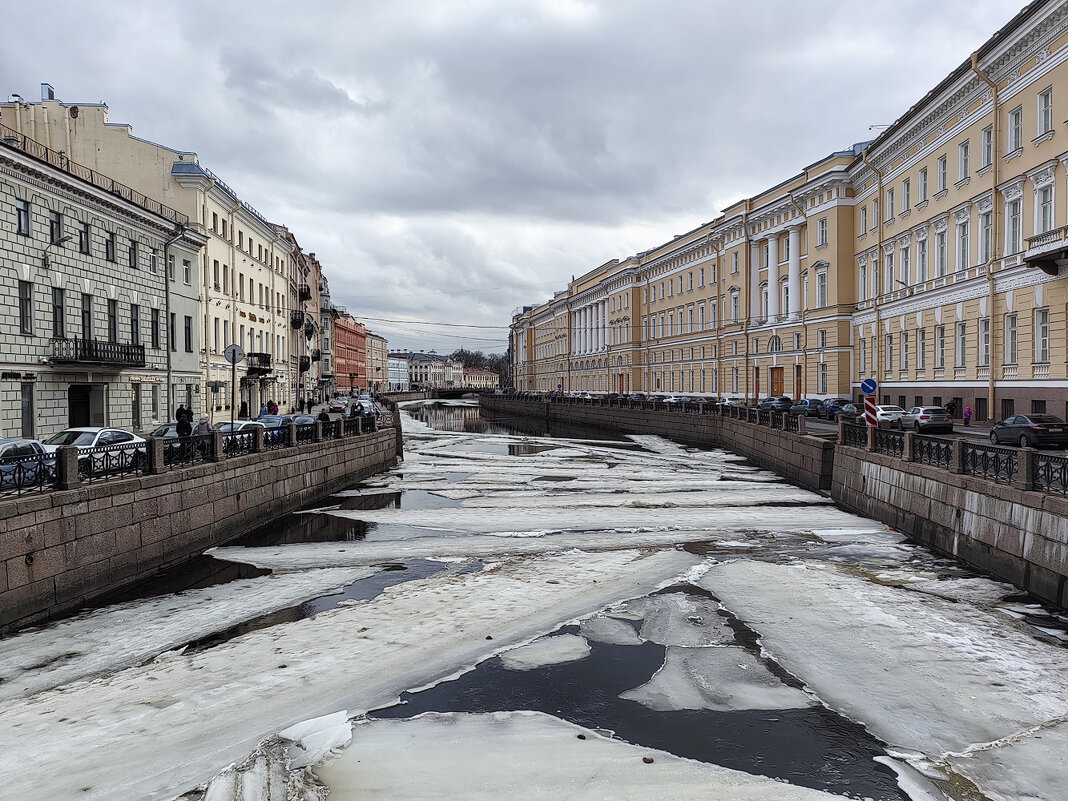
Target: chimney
47, 92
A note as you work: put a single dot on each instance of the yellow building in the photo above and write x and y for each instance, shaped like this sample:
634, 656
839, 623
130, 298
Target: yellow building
931, 259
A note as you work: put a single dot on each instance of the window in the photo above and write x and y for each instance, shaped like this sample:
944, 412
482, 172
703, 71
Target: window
1013, 227
133, 255
1042, 335
921, 349
863, 220
875, 211
224, 229
135, 324
889, 204
734, 263
153, 260
83, 238
940, 347
87, 316
889, 352
155, 401
863, 356
984, 342
734, 307
921, 260
188, 334
962, 160
906, 266
985, 237
187, 272
55, 227
986, 145
215, 221
1044, 210
700, 278
921, 190
1011, 340
963, 246
821, 232
940, 254
862, 281
22, 216
25, 308
1045, 111
962, 343
888, 272
241, 240
821, 378
904, 350
941, 174
109, 246
821, 290
172, 332
59, 327
784, 255
155, 328
1016, 129
113, 320
691, 280
170, 267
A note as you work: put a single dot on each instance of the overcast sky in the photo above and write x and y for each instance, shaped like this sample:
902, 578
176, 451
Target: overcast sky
450, 161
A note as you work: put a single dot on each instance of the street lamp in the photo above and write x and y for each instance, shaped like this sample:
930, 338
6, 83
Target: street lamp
59, 241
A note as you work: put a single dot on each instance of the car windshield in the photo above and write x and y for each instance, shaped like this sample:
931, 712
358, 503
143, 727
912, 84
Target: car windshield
72, 438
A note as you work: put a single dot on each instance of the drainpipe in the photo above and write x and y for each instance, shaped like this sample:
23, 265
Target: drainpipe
995, 227
877, 356
179, 232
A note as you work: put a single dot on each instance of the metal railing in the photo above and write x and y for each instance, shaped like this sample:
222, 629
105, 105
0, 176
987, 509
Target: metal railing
1049, 473
892, 443
22, 474
274, 439
306, 433
790, 423
98, 352
990, 462
855, 436
238, 443
351, 426
112, 461
182, 451
932, 451
332, 430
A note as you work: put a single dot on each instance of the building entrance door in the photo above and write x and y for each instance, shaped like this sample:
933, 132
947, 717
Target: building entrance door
797, 382
85, 405
776, 381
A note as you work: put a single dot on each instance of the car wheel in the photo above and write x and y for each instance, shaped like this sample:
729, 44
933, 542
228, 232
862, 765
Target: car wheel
993, 438
916, 425
1025, 441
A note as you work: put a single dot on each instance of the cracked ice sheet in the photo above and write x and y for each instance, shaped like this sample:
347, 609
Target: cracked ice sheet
526, 755
152, 731
919, 672
1029, 768
546, 651
120, 635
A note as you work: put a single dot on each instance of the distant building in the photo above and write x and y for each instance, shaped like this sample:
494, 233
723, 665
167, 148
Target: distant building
428, 370
377, 361
351, 353
481, 379
398, 373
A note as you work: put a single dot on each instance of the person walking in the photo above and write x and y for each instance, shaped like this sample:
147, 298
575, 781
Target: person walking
203, 426
951, 408
324, 415
181, 412
967, 415
263, 410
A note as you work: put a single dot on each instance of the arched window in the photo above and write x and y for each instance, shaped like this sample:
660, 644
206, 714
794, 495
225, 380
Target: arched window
774, 345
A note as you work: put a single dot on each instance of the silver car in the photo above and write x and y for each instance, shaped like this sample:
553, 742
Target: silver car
927, 418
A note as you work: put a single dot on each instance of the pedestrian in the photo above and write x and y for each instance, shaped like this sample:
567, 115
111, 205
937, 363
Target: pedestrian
263, 410
181, 412
184, 428
324, 415
203, 426
272, 407
302, 405
967, 415
950, 408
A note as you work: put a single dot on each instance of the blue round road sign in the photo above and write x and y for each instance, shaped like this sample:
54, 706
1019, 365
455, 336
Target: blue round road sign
868, 386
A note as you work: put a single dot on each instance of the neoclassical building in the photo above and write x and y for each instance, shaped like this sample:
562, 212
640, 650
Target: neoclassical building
932, 259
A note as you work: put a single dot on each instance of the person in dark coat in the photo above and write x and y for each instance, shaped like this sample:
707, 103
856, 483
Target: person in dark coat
951, 407
181, 412
184, 427
324, 415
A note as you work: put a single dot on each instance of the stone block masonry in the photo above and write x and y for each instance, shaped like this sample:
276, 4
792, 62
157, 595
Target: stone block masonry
60, 549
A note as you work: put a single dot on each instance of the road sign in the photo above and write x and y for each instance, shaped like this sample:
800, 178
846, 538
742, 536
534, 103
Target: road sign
868, 386
869, 410
234, 354
559, 386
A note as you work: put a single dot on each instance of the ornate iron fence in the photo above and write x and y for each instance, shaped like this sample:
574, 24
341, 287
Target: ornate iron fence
352, 426
991, 462
856, 436
112, 461
306, 432
182, 451
763, 417
790, 423
1049, 473
22, 474
933, 451
238, 443
275, 439
332, 430
892, 443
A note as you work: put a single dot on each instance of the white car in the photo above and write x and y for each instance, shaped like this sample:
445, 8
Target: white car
88, 438
891, 414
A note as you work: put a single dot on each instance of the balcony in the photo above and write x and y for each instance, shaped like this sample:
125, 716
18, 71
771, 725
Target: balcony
316, 355
296, 319
1046, 249
304, 292
305, 364
92, 351
258, 364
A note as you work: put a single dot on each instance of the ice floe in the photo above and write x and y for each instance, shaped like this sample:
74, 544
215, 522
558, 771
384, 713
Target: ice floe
609, 631
678, 618
546, 651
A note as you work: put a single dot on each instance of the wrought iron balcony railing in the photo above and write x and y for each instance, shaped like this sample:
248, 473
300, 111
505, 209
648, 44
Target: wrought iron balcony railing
296, 319
258, 363
92, 351
304, 292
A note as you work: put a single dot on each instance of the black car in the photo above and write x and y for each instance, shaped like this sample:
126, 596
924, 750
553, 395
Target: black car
1030, 430
828, 410
776, 403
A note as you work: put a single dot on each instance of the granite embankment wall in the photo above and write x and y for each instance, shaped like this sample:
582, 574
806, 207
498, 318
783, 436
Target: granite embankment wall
60, 549
1016, 534
802, 459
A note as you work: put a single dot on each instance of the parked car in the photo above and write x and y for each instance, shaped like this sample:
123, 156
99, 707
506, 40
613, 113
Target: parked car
1030, 430
828, 410
673, 399
238, 425
88, 438
776, 403
636, 396
304, 419
850, 412
731, 401
889, 414
337, 405
24, 463
804, 407
164, 430
275, 420
926, 418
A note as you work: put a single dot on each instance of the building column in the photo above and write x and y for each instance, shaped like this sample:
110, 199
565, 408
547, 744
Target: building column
773, 279
794, 274
754, 282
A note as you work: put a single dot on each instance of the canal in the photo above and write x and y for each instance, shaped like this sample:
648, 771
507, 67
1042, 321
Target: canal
548, 613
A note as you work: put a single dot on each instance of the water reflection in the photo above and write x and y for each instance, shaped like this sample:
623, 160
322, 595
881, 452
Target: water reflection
469, 418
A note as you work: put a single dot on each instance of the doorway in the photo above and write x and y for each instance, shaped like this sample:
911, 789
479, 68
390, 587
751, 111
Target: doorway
85, 405
776, 380
797, 382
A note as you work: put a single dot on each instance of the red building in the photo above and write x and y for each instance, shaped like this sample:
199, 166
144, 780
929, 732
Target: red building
350, 353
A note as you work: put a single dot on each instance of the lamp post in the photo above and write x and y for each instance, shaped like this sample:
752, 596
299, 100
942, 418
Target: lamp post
51, 245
